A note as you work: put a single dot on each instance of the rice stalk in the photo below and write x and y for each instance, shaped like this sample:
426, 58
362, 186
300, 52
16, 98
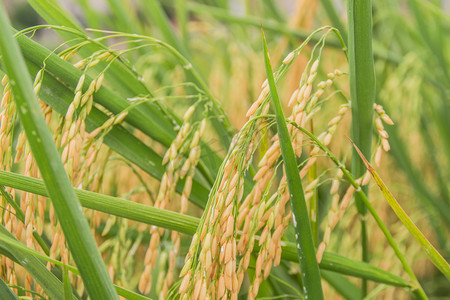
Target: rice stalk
362, 94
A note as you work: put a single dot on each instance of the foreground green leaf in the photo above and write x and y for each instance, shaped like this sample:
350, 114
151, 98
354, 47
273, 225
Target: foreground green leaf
305, 244
68, 210
6, 292
362, 95
111, 205
46, 279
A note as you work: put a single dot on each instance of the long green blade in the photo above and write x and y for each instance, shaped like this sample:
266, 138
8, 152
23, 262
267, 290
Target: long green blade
68, 210
6, 292
305, 244
362, 95
187, 224
342, 285
149, 119
121, 78
118, 139
110, 205
8, 241
362, 79
47, 280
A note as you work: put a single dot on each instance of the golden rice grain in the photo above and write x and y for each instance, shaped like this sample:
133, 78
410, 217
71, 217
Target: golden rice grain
288, 58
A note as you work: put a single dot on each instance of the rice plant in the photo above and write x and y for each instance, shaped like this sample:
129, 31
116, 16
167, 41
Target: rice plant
224, 150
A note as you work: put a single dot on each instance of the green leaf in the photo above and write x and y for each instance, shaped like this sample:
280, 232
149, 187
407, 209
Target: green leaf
67, 285
305, 244
118, 139
342, 285
68, 210
23, 255
48, 281
362, 96
110, 205
121, 78
435, 257
187, 224
346, 266
6, 292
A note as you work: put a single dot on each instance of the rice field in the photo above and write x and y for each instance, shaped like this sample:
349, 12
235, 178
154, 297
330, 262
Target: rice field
224, 149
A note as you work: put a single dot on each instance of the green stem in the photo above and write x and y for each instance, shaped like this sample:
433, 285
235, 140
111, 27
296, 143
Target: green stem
362, 94
334, 18
313, 206
313, 203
